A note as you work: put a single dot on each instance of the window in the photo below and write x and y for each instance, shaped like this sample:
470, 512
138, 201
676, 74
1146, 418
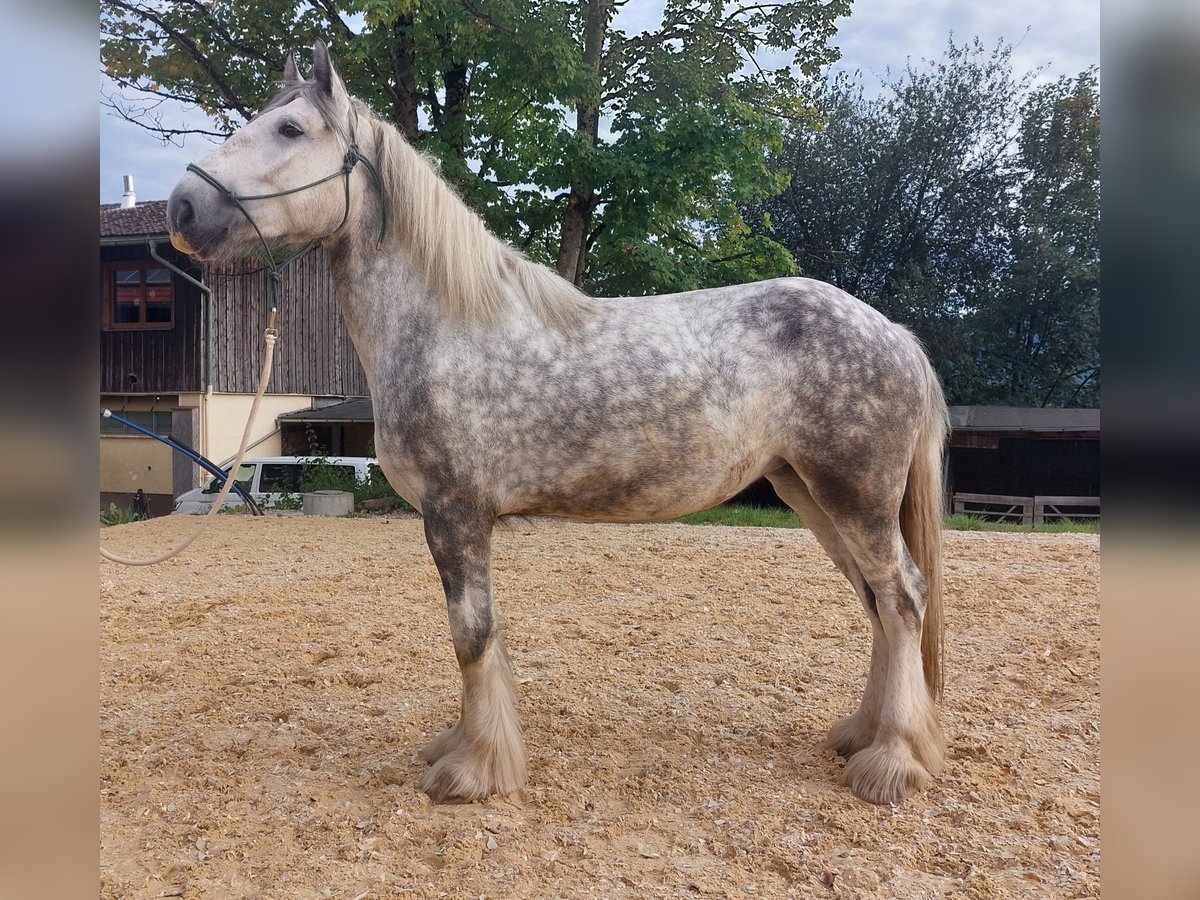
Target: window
158, 421
280, 478
245, 475
138, 296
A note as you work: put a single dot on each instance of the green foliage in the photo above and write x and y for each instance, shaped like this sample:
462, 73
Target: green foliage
289, 501
376, 487
744, 516
116, 515
773, 517
969, 522
685, 125
1038, 342
319, 474
963, 522
965, 205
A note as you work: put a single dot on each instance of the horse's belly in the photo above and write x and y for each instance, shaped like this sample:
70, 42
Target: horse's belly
651, 491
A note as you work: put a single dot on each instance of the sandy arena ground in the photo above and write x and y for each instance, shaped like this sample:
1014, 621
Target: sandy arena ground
264, 695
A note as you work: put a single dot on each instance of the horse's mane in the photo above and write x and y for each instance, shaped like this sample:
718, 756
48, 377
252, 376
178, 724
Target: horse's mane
476, 276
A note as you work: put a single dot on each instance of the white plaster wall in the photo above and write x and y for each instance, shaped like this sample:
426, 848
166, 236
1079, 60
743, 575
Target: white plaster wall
223, 419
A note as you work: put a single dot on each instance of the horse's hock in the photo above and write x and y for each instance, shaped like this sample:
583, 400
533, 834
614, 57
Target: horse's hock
328, 503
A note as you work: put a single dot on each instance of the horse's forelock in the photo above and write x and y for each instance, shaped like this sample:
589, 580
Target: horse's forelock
321, 100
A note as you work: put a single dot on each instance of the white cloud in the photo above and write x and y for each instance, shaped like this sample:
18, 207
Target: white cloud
1063, 36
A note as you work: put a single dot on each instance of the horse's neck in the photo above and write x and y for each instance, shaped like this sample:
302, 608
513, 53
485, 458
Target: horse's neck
383, 299
394, 297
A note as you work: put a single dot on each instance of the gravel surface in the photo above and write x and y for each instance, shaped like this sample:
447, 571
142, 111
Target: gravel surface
263, 697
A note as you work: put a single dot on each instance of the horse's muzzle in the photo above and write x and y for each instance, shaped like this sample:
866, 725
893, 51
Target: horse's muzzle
198, 218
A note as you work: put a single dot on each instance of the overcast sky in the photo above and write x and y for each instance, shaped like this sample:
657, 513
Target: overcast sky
1063, 36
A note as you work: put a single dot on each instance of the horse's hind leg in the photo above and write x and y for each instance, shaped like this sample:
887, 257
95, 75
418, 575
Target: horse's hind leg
908, 745
483, 753
857, 731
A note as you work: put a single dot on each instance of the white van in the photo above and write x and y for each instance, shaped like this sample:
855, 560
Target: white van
269, 478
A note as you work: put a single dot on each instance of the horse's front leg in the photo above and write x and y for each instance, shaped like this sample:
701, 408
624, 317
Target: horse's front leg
483, 753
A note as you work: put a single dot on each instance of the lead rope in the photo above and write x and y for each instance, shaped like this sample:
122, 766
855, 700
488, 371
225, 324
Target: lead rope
352, 158
269, 337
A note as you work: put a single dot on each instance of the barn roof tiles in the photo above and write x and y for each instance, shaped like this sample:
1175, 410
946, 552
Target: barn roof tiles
147, 219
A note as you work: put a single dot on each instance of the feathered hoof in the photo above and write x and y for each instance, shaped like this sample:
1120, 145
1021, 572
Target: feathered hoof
885, 773
446, 742
928, 745
460, 777
849, 735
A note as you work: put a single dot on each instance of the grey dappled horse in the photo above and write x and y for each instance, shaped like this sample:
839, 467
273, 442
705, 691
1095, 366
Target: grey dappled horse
500, 389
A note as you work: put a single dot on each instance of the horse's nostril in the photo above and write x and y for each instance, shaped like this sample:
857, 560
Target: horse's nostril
181, 212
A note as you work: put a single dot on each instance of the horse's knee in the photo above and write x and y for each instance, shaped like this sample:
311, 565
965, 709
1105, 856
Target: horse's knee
901, 609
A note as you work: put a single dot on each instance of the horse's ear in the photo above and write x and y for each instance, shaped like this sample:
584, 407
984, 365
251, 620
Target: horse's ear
291, 74
324, 75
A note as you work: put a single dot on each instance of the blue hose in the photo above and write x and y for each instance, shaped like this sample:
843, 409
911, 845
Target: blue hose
191, 454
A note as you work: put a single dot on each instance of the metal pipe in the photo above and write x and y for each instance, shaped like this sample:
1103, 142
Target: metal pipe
269, 434
207, 292
191, 454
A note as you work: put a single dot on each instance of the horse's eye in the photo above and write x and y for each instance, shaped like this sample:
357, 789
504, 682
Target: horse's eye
290, 129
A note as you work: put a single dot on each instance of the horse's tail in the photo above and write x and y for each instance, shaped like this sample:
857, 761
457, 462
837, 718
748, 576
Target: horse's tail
921, 519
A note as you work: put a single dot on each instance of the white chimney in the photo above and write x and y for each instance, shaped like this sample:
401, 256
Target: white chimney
129, 198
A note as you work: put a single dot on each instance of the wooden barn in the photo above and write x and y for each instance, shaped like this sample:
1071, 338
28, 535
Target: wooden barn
1024, 464
181, 349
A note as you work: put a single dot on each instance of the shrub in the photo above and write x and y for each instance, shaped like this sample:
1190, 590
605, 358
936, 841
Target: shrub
116, 515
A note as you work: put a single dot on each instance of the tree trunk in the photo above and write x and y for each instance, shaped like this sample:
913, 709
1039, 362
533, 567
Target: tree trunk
582, 200
404, 107
453, 127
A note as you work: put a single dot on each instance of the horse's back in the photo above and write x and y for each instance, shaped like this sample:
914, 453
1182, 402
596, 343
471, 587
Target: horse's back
813, 345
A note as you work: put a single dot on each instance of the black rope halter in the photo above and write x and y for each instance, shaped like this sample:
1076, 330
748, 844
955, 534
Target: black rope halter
352, 158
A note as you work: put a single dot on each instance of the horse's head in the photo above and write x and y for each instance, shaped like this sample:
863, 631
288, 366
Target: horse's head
300, 137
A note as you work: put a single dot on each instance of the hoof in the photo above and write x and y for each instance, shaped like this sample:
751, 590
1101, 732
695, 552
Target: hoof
885, 773
446, 742
849, 735
459, 777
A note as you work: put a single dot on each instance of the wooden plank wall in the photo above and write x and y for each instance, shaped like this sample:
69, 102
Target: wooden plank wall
314, 354
166, 360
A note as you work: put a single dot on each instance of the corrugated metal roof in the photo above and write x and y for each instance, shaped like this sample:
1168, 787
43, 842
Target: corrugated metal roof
1023, 418
147, 219
358, 409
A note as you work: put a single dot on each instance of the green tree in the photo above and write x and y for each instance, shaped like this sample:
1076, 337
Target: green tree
901, 199
621, 158
965, 205
1038, 342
